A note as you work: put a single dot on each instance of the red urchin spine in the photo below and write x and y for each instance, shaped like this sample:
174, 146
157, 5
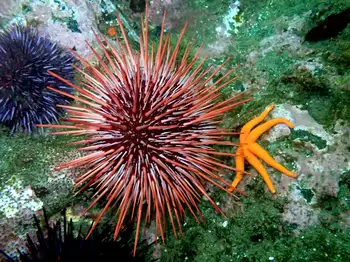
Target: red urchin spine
151, 123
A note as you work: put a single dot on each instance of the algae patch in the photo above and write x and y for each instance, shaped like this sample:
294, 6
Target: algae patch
15, 198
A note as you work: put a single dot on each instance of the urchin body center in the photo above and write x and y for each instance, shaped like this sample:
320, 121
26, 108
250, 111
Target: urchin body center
138, 138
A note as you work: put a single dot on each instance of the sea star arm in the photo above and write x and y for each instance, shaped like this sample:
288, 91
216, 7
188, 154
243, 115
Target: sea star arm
252, 123
251, 151
264, 155
239, 168
255, 162
258, 131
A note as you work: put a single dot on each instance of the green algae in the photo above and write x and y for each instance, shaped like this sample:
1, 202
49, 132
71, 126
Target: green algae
26, 8
71, 23
30, 159
335, 205
322, 92
202, 26
323, 105
256, 232
306, 136
306, 193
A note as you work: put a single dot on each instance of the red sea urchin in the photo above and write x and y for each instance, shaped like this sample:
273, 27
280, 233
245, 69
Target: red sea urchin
150, 123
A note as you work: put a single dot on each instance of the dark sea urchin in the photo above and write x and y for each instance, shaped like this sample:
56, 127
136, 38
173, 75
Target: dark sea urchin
25, 59
59, 242
151, 123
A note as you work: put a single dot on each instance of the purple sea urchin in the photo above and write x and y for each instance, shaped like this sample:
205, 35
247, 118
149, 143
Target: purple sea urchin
60, 242
150, 123
25, 59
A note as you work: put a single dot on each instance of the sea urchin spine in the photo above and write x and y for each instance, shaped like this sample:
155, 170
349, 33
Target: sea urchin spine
151, 123
25, 59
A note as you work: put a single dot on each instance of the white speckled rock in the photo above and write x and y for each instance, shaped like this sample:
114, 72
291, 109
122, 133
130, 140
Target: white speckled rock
52, 17
17, 206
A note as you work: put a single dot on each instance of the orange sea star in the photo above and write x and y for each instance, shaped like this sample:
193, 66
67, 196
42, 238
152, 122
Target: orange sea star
249, 150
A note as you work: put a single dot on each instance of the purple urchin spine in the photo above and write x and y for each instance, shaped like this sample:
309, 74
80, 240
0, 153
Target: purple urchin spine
25, 59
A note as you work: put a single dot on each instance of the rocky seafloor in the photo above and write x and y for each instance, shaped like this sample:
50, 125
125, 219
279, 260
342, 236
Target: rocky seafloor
291, 54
